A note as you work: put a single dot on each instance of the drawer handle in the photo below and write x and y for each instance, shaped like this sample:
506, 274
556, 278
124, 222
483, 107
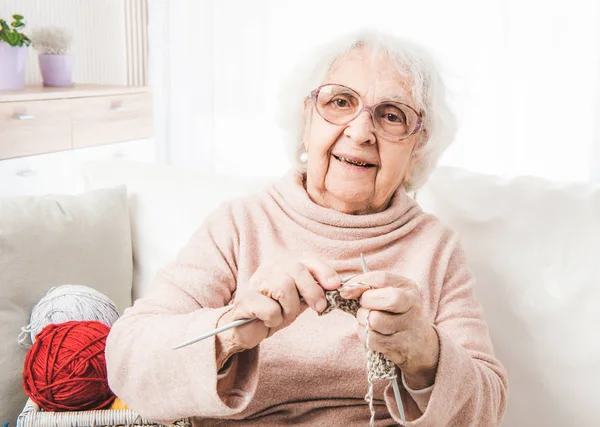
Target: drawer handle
118, 108
26, 172
24, 117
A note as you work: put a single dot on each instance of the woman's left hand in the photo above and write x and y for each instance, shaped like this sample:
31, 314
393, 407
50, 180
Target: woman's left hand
398, 329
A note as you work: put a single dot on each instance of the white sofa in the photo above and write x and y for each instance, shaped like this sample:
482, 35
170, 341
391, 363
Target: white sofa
533, 245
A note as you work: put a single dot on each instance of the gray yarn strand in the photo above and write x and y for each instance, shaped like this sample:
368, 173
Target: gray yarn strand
65, 303
378, 366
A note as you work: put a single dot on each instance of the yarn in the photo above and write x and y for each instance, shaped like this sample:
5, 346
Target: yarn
378, 366
118, 404
65, 369
68, 302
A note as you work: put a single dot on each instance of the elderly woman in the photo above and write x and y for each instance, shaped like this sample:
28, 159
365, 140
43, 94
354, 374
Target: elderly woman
371, 122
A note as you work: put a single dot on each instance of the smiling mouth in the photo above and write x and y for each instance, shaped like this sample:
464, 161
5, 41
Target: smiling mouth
353, 163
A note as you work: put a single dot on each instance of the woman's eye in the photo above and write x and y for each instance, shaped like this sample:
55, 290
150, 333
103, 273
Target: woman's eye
342, 103
393, 118
393, 115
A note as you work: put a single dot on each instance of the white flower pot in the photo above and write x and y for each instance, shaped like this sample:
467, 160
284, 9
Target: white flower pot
57, 70
12, 66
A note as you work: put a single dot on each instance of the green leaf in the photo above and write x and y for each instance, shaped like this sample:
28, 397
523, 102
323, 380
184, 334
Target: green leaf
13, 38
24, 40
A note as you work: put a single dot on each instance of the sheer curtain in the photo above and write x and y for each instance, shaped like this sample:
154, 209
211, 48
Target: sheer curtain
523, 78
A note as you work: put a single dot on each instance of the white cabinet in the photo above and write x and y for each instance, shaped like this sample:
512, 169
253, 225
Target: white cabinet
140, 151
46, 173
47, 135
62, 172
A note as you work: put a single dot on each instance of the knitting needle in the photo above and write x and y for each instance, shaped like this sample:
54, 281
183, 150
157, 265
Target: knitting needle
397, 395
228, 326
233, 324
398, 399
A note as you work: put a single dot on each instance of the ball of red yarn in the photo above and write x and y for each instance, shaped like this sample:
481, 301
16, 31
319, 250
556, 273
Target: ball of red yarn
65, 369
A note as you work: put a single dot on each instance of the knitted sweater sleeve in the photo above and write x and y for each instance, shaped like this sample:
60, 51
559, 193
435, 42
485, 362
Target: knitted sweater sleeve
188, 298
471, 385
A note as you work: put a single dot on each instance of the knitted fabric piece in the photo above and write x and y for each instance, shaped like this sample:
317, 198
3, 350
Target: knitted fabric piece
378, 366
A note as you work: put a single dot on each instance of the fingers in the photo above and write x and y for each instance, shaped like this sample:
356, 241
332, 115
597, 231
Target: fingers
353, 290
262, 307
324, 274
385, 323
306, 286
374, 280
389, 345
276, 295
281, 287
310, 278
381, 279
289, 282
392, 300
267, 310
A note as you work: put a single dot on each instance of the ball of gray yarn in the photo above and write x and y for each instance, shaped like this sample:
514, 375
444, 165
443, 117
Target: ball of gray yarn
65, 303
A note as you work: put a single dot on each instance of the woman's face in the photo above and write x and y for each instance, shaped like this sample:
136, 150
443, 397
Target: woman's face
333, 182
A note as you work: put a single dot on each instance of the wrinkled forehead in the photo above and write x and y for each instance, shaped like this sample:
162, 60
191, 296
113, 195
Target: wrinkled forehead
374, 75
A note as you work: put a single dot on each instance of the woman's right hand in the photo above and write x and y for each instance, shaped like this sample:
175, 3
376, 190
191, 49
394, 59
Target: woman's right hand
276, 294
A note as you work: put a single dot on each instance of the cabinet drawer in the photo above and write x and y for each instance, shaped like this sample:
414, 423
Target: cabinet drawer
140, 151
35, 127
47, 173
107, 119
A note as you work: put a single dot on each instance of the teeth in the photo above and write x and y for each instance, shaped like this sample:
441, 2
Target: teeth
352, 162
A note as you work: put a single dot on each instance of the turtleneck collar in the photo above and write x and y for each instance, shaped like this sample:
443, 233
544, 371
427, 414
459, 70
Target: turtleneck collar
291, 196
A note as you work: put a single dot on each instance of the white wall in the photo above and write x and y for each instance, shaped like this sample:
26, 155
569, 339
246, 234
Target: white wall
524, 77
98, 29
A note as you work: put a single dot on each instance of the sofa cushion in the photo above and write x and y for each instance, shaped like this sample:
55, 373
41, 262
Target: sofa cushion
167, 205
534, 247
52, 240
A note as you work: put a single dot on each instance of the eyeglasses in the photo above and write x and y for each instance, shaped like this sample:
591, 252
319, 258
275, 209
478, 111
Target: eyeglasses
339, 105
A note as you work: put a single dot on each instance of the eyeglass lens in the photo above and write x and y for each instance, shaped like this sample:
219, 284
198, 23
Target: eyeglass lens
340, 105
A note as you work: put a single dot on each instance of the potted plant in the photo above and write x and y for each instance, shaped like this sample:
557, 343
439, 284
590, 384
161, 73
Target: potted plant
56, 64
13, 54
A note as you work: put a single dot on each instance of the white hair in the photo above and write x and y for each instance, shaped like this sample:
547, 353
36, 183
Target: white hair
412, 62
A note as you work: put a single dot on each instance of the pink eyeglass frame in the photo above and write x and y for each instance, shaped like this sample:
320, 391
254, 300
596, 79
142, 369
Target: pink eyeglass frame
370, 108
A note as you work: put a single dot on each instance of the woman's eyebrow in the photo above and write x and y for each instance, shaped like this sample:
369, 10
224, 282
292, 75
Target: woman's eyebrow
395, 98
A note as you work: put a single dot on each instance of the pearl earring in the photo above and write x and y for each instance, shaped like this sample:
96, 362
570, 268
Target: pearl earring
304, 157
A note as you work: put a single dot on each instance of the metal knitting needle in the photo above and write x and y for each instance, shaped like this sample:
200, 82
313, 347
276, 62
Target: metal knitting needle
363, 263
223, 328
394, 381
228, 326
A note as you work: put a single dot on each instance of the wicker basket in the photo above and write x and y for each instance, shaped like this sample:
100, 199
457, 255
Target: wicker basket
32, 416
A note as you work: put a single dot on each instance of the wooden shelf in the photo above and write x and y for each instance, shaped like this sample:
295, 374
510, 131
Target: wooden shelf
40, 120
38, 92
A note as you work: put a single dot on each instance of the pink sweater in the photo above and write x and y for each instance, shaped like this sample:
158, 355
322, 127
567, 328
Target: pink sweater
314, 371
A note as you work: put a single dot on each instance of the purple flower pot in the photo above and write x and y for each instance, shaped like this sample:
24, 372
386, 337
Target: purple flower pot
12, 66
57, 70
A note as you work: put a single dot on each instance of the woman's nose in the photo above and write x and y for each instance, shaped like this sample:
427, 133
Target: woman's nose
360, 130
